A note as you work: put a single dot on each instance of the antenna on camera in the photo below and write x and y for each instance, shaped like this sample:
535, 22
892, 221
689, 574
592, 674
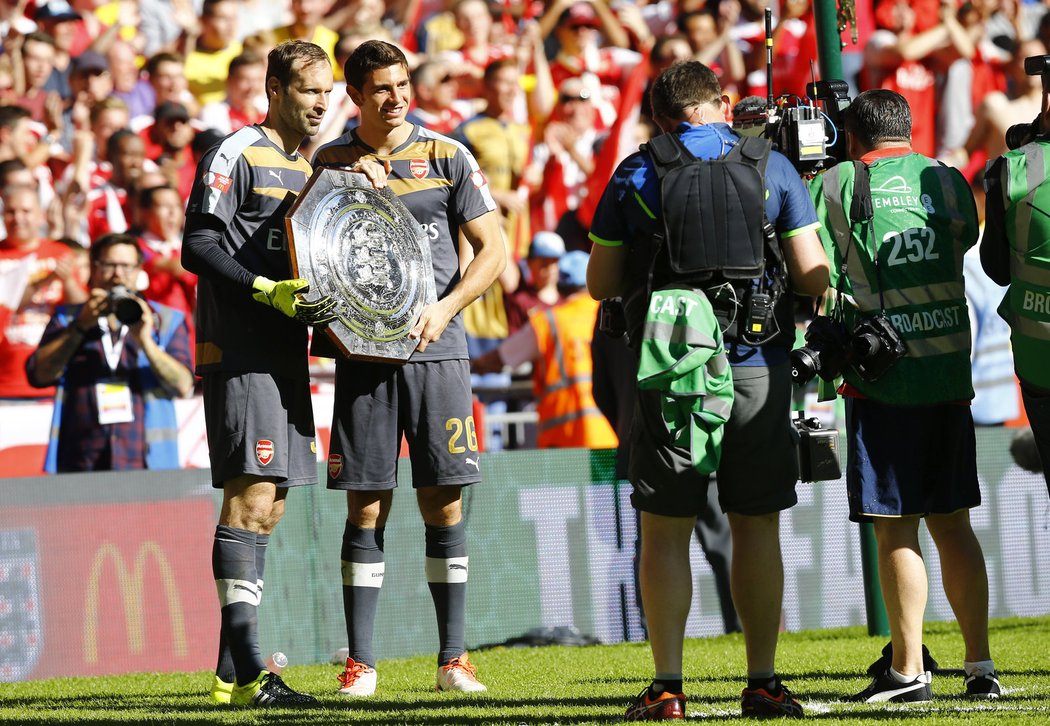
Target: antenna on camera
770, 101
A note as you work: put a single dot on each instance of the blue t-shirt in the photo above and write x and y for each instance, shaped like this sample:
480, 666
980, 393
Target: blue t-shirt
630, 210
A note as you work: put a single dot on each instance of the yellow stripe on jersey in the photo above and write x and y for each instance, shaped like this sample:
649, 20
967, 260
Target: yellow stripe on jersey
208, 354
269, 156
344, 155
275, 192
407, 186
433, 148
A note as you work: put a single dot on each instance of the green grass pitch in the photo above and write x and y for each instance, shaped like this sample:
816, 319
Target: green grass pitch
574, 685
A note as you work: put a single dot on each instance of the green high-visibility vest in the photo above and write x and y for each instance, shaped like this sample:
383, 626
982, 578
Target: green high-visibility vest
682, 356
924, 221
1026, 307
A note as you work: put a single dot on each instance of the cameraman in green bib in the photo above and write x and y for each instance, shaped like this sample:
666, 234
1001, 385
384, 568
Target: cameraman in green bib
895, 226
1015, 251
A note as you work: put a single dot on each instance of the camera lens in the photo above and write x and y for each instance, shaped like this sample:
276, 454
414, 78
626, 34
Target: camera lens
866, 345
805, 363
1017, 135
125, 305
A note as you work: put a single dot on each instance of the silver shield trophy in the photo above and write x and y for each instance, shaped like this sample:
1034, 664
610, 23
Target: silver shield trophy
364, 248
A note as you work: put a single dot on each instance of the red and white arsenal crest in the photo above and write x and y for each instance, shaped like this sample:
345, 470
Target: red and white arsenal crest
419, 168
264, 451
335, 465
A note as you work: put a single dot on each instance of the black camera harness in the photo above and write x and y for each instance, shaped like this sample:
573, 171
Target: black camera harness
725, 245
861, 211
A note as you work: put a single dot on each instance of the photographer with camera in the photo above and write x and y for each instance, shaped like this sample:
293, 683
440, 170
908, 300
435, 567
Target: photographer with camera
759, 245
1014, 252
896, 225
119, 362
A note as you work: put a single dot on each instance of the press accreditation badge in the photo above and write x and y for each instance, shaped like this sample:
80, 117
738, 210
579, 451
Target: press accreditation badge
114, 402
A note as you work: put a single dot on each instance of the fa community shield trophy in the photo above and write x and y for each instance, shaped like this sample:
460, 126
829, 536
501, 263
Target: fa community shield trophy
364, 248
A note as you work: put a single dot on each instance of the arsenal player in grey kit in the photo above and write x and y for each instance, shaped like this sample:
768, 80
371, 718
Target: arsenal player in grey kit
429, 398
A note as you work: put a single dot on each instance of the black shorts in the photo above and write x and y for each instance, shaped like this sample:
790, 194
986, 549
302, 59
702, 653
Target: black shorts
260, 424
759, 466
909, 460
429, 402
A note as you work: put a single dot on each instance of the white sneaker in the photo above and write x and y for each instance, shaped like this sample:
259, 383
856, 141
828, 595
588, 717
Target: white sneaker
459, 675
357, 680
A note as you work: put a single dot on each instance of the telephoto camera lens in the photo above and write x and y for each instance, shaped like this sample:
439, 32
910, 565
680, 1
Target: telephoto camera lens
125, 305
804, 365
825, 354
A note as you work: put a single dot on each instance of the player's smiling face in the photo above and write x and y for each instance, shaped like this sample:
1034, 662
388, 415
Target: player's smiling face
306, 98
384, 97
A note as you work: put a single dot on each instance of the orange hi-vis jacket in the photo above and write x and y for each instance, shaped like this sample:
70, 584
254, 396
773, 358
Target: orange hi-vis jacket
568, 415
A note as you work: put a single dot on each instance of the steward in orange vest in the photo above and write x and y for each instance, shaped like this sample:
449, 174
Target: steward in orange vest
558, 342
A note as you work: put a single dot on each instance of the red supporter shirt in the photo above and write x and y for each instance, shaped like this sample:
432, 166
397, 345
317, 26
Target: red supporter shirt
166, 288
24, 328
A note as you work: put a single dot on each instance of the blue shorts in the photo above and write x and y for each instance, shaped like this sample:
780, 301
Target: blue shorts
909, 460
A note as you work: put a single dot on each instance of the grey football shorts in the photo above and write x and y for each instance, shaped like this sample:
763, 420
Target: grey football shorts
428, 402
260, 424
759, 466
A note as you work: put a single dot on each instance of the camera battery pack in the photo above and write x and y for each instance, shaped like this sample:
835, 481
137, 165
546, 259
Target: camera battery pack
757, 314
818, 451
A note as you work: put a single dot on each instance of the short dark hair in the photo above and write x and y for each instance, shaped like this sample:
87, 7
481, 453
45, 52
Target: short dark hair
663, 41
39, 36
496, 66
280, 63
371, 55
11, 115
684, 18
113, 142
10, 166
877, 116
424, 73
146, 196
110, 240
208, 8
163, 57
682, 85
246, 58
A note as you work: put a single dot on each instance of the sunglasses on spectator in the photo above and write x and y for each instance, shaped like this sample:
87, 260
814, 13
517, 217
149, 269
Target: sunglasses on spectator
565, 98
447, 78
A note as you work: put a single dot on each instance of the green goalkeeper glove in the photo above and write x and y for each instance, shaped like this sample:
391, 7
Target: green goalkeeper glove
284, 296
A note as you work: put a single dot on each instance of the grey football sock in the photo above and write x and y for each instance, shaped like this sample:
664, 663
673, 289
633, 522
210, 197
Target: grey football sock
363, 568
236, 579
447, 577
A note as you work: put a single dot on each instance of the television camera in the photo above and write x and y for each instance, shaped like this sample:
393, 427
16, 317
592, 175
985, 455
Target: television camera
808, 131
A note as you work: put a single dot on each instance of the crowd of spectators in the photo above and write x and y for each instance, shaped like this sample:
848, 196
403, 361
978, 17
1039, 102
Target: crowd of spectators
105, 108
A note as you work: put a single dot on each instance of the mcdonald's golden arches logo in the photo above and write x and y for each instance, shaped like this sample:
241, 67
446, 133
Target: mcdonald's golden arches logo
131, 583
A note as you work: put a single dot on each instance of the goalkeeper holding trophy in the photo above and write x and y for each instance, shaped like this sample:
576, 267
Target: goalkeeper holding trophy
252, 350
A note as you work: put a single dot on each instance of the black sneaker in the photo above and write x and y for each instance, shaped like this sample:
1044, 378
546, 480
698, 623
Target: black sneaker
883, 663
983, 686
886, 688
269, 690
765, 703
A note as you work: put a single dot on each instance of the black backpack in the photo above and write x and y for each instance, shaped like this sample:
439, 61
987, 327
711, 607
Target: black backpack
716, 235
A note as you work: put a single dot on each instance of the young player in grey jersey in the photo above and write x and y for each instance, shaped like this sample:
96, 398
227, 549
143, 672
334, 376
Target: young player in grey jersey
428, 399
